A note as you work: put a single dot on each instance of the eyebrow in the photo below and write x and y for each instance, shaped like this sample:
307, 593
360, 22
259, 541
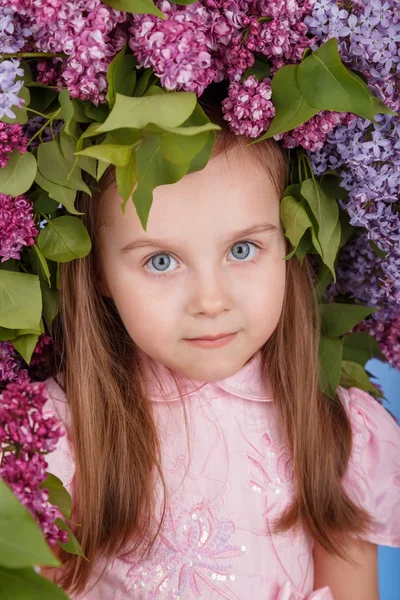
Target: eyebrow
154, 242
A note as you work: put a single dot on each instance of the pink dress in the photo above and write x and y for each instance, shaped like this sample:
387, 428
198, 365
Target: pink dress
216, 542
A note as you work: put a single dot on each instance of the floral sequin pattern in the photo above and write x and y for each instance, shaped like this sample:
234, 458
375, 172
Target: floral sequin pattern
191, 556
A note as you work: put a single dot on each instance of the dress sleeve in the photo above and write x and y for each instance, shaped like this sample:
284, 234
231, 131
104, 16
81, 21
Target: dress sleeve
60, 461
372, 478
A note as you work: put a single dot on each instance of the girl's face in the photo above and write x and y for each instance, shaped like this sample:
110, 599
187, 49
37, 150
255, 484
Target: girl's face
196, 272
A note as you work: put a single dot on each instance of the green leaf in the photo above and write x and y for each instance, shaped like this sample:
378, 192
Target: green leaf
153, 171
304, 246
21, 541
72, 546
354, 375
143, 82
116, 154
20, 300
291, 106
295, 219
43, 263
328, 85
50, 304
326, 213
18, 175
68, 144
67, 112
330, 184
260, 69
338, 319
201, 159
21, 114
121, 75
166, 110
64, 239
54, 167
330, 360
59, 193
126, 180
43, 202
96, 113
25, 345
180, 149
26, 584
138, 7
101, 168
360, 347
58, 495
324, 279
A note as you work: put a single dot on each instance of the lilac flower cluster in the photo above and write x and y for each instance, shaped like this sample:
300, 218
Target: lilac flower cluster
36, 123
279, 31
313, 133
367, 155
361, 276
10, 87
248, 107
27, 435
11, 138
12, 31
185, 50
17, 226
84, 30
11, 369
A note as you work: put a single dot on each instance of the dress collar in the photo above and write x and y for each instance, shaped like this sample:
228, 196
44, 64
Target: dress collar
247, 383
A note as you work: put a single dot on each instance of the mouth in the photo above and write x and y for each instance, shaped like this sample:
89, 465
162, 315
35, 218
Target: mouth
213, 341
211, 337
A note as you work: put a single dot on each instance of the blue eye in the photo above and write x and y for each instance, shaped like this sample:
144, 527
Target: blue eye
160, 262
243, 250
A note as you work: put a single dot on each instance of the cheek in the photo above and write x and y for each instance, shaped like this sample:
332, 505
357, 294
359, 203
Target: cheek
146, 314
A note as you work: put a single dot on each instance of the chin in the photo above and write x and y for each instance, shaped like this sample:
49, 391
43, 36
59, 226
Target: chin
214, 369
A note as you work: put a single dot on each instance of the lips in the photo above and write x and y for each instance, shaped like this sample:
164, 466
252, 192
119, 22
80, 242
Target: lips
211, 337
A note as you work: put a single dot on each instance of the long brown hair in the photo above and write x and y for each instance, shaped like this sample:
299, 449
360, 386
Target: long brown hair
115, 441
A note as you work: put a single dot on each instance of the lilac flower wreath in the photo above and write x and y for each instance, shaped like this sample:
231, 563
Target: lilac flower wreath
85, 84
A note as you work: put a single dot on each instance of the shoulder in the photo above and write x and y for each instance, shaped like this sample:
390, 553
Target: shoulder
372, 478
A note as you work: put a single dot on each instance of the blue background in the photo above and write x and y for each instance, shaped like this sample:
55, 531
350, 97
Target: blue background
388, 558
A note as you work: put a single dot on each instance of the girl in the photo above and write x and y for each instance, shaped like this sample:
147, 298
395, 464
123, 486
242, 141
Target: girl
203, 460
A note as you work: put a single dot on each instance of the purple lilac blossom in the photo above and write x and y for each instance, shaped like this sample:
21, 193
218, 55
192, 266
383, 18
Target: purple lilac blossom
9, 87
34, 124
23, 425
12, 32
17, 226
367, 155
11, 138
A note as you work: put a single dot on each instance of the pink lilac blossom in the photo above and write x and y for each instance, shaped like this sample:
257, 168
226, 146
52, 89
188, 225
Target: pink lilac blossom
313, 133
11, 138
386, 331
17, 226
11, 368
85, 30
184, 49
248, 108
23, 426
279, 31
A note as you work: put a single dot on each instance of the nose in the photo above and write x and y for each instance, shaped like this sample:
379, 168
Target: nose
210, 296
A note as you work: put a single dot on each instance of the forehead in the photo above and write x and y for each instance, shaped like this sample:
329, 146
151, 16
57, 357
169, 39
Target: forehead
232, 192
